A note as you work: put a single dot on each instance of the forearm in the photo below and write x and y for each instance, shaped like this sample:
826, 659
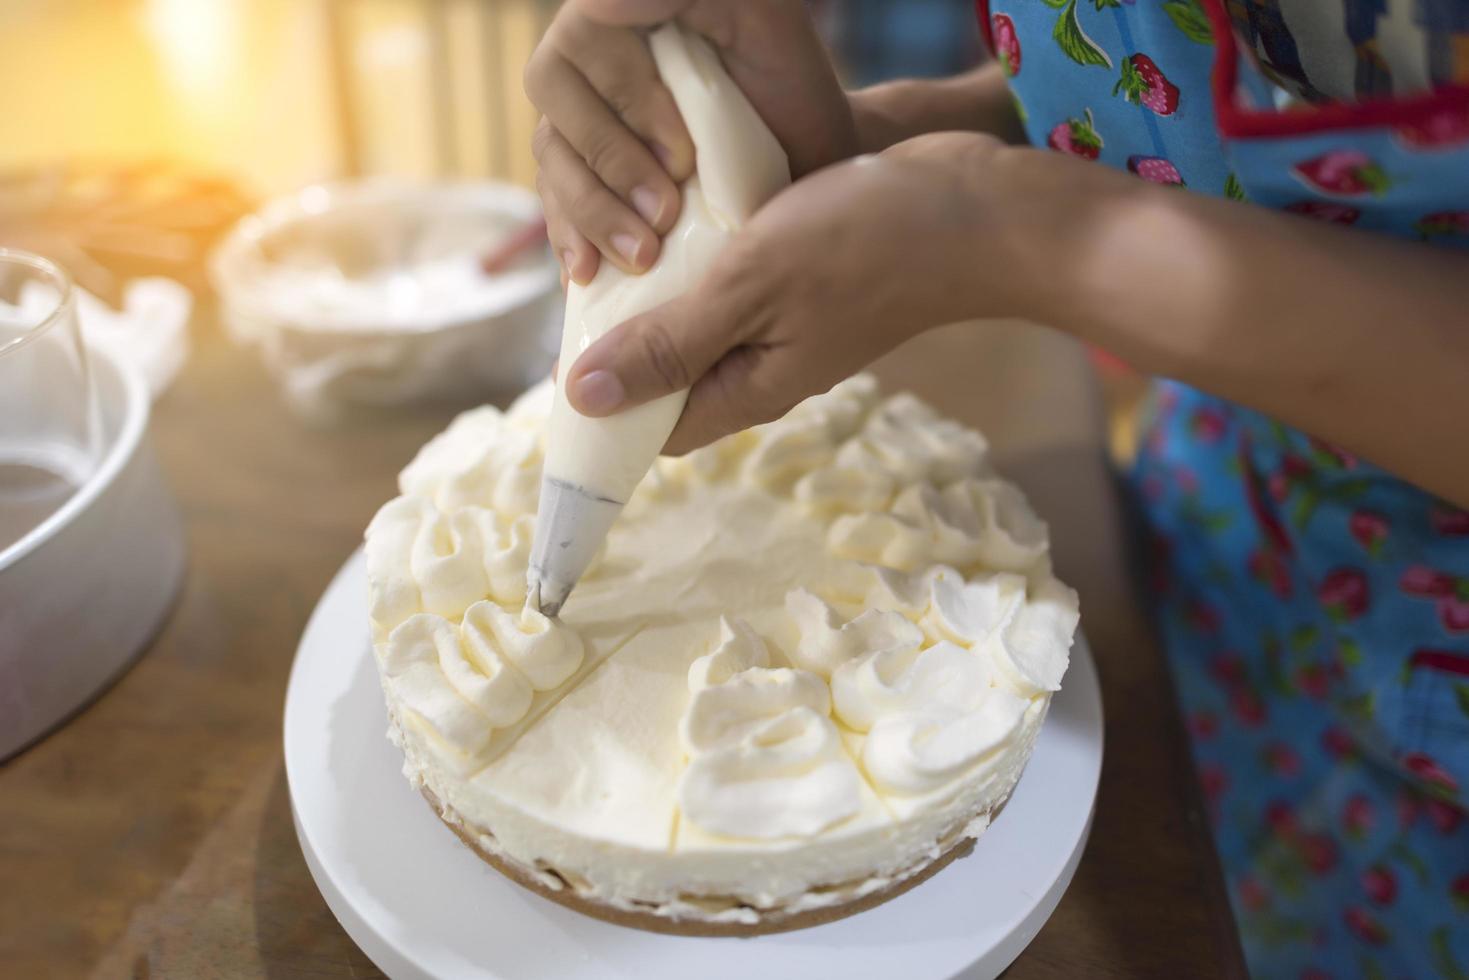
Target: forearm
978, 101
1357, 338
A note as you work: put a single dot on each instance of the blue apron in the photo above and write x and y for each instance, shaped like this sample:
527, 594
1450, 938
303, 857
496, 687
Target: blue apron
1314, 608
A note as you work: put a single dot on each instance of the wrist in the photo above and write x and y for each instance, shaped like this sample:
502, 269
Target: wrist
1086, 249
1020, 218
982, 257
1042, 235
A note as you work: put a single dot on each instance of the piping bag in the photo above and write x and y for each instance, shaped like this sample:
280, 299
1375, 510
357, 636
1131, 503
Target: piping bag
593, 465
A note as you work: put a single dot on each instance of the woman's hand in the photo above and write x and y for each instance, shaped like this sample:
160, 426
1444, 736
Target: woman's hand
612, 147
832, 273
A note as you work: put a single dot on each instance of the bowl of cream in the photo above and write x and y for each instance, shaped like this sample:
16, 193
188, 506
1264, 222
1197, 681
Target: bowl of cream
379, 292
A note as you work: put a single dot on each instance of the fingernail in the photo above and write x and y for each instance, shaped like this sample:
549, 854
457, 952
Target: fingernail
599, 392
627, 247
647, 203
664, 155
568, 258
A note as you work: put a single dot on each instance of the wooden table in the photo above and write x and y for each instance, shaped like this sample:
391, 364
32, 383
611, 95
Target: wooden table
152, 836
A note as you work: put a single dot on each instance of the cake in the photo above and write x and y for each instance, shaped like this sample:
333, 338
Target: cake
807, 669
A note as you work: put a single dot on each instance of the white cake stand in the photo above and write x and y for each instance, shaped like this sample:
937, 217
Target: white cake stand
420, 904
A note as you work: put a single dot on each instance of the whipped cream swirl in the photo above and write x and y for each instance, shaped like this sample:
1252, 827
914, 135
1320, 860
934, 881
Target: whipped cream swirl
879, 587
484, 458
827, 642
1033, 648
739, 649
938, 700
917, 445
420, 559
970, 524
917, 752
465, 681
461, 687
806, 439
765, 759
541, 648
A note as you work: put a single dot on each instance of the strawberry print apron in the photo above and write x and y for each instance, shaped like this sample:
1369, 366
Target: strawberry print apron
1314, 608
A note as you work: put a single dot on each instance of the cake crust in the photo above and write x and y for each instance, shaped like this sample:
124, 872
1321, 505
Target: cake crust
773, 921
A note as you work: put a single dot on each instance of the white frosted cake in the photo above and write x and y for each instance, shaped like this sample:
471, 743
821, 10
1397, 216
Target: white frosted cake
807, 669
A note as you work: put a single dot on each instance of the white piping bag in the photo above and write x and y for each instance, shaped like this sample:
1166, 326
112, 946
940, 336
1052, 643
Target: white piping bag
593, 465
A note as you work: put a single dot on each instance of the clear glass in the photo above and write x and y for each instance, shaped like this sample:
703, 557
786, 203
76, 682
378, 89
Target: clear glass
50, 433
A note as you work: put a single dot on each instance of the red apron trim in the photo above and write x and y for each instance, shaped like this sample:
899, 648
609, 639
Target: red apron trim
982, 10
1238, 122
1444, 660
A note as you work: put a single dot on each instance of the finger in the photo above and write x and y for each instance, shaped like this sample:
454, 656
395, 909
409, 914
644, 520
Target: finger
621, 69
775, 54
579, 258
555, 369
614, 152
587, 205
657, 353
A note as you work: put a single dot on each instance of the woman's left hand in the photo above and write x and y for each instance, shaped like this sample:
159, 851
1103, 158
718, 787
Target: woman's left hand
835, 271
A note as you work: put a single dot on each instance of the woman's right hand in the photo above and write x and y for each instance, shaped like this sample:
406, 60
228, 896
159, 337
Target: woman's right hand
611, 145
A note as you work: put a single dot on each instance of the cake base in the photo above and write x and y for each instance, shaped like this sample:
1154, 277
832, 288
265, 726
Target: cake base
769, 922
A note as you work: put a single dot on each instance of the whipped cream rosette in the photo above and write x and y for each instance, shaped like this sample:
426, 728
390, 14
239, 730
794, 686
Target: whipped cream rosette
808, 665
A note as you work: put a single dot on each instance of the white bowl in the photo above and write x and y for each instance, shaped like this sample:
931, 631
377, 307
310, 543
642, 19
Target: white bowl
370, 292
83, 591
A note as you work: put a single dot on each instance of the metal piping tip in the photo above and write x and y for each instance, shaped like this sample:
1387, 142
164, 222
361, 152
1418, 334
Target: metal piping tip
571, 525
550, 598
545, 598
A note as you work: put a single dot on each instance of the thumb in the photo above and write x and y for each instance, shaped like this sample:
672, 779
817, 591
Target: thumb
659, 352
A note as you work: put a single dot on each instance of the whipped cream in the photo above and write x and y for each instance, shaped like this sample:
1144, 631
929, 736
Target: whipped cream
906, 679
827, 643
745, 708
1032, 650
544, 650
483, 459
765, 760
913, 443
740, 648
462, 691
971, 524
923, 751
971, 612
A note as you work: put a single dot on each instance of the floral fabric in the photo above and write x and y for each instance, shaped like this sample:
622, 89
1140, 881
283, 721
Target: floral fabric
1314, 608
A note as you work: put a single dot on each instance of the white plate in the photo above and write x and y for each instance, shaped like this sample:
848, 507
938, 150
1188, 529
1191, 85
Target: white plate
420, 904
